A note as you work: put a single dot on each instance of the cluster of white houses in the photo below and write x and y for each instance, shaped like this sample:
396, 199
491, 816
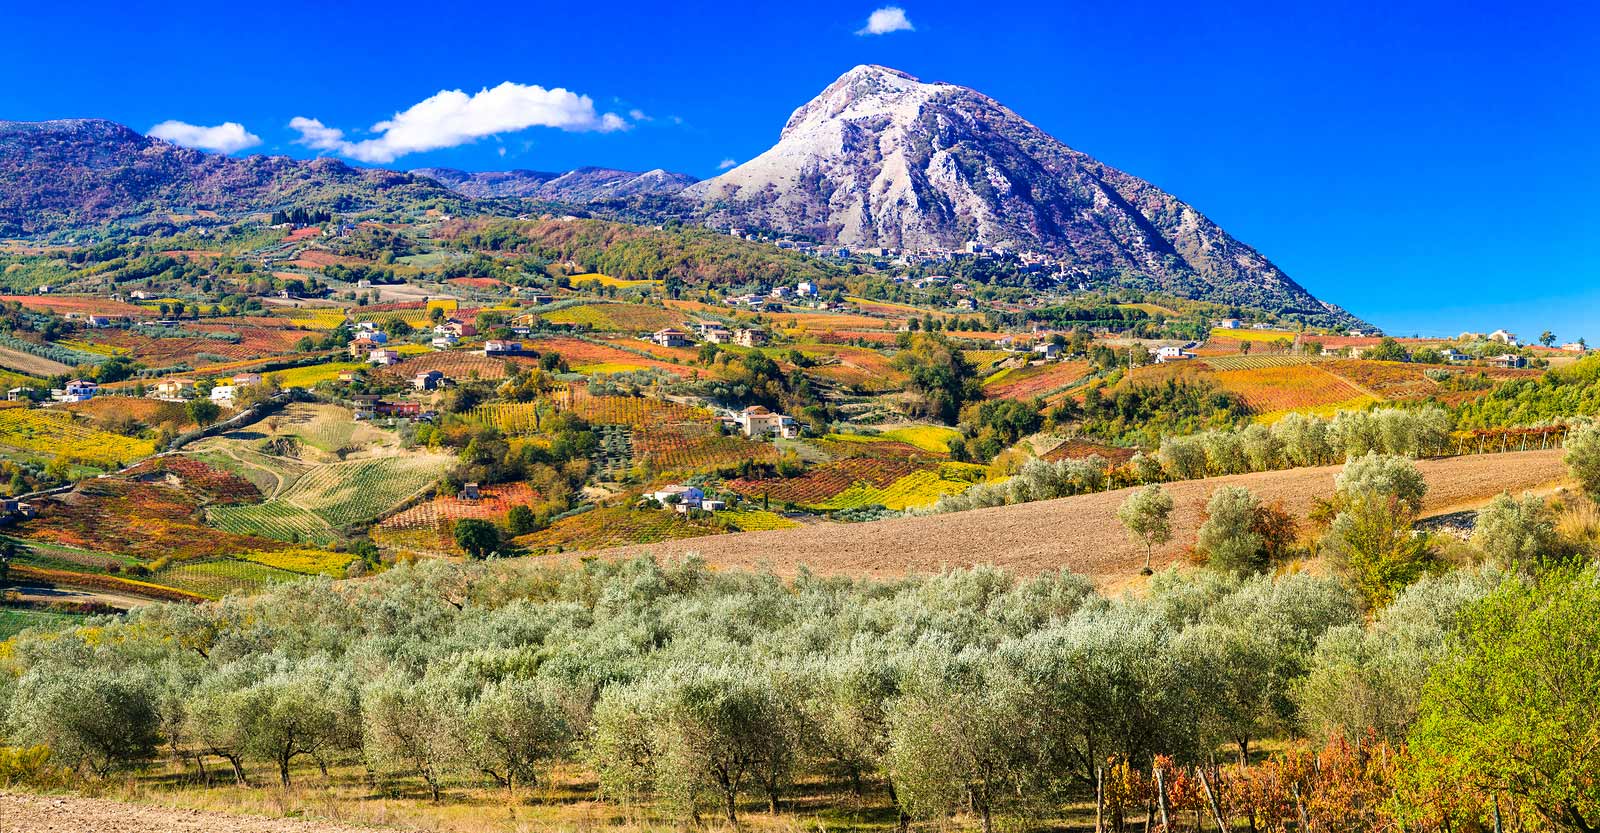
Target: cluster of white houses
710, 332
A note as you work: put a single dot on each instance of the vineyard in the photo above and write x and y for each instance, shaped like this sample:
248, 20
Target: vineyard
310, 375
614, 317
1269, 336
1259, 360
633, 410
308, 562
1037, 380
617, 526
1075, 449
215, 578
492, 505
853, 366
755, 520
822, 483
579, 353
1406, 380
685, 447
1292, 387
597, 279
920, 488
57, 434
332, 496
460, 365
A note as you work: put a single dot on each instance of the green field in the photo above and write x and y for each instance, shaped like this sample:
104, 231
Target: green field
215, 579
13, 621
315, 505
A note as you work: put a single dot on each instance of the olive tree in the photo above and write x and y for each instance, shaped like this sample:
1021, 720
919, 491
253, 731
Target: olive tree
95, 718
1516, 534
961, 739
414, 726
1583, 457
1147, 515
1228, 537
517, 725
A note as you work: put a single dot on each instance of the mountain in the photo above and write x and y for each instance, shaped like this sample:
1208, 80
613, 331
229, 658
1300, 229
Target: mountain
880, 158
73, 172
582, 185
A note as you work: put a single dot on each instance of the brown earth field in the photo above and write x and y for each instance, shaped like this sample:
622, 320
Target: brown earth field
24, 813
1079, 533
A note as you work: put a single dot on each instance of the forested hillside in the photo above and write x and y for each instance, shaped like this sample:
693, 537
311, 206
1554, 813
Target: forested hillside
688, 254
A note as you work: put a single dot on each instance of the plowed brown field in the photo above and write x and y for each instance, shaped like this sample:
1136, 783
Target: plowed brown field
69, 814
1079, 533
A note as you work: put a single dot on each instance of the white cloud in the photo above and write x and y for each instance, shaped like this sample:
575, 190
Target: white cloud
726, 164
639, 115
451, 117
224, 138
885, 20
315, 134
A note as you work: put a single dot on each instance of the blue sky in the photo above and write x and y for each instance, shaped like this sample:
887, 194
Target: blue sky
1430, 166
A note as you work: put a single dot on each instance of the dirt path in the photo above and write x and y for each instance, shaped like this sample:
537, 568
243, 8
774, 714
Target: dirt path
21, 813
1080, 533
41, 593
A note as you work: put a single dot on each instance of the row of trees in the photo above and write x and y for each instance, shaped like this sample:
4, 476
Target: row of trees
708, 692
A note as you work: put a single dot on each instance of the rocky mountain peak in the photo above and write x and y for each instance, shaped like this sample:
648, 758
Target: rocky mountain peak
881, 158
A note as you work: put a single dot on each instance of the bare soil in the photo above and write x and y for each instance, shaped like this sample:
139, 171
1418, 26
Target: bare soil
1079, 533
23, 813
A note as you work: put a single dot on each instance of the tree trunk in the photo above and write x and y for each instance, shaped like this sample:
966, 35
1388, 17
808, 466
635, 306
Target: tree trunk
283, 769
729, 809
902, 822
988, 819
1244, 752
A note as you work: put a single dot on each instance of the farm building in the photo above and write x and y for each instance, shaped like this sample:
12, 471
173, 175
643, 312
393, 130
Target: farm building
244, 379
1508, 360
1172, 353
671, 337
455, 327
224, 394
383, 357
749, 337
682, 498
429, 380
1047, 350
756, 421
494, 347
171, 388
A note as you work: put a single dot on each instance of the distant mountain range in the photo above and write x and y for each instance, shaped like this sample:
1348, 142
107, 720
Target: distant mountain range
879, 158
76, 172
577, 186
